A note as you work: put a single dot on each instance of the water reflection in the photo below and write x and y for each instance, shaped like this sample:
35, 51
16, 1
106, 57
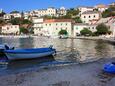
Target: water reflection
26, 43
68, 50
31, 63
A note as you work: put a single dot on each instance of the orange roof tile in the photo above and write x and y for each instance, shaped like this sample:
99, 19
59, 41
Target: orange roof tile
57, 20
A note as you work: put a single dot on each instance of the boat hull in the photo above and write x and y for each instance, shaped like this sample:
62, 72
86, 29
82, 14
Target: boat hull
19, 56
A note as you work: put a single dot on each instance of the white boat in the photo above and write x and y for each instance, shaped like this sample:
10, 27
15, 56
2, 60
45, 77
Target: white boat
16, 54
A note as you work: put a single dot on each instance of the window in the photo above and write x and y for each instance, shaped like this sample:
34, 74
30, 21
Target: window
76, 28
89, 16
94, 16
46, 24
49, 24
61, 23
66, 23
56, 24
92, 27
7, 28
39, 29
84, 16
56, 29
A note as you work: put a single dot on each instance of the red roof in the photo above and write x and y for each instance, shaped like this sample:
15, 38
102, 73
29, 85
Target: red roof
57, 20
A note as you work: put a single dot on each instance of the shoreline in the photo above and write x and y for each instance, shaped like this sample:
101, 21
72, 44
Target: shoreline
83, 74
109, 40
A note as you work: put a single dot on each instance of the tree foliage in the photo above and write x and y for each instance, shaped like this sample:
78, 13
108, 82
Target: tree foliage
72, 12
14, 12
63, 32
26, 21
109, 12
2, 21
15, 21
2, 14
102, 29
77, 20
19, 21
86, 32
24, 30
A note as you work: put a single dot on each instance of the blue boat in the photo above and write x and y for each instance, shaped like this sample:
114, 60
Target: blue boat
17, 54
109, 67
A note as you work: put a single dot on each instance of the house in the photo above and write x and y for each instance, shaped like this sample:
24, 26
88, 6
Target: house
78, 27
38, 26
101, 7
83, 9
42, 12
10, 29
7, 17
62, 11
16, 14
87, 16
51, 27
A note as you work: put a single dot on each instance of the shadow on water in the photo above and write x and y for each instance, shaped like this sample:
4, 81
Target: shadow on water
25, 65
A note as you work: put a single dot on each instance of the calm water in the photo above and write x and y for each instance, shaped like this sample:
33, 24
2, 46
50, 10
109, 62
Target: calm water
68, 51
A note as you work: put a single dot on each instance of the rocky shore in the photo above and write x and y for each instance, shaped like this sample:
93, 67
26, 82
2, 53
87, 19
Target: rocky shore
82, 74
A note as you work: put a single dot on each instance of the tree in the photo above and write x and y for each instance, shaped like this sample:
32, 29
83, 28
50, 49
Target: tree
2, 22
2, 14
63, 32
15, 21
72, 12
109, 12
24, 30
14, 12
77, 20
86, 32
26, 21
102, 29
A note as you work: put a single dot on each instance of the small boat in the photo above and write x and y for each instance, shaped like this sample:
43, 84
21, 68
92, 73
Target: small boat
17, 54
109, 67
63, 37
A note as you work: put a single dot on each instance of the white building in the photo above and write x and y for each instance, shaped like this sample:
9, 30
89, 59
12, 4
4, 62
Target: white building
16, 15
112, 4
42, 12
62, 11
10, 29
87, 16
84, 9
101, 7
51, 11
26, 15
7, 17
80, 26
52, 27
38, 26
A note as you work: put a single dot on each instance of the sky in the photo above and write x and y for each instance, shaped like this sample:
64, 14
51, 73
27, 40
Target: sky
28, 5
